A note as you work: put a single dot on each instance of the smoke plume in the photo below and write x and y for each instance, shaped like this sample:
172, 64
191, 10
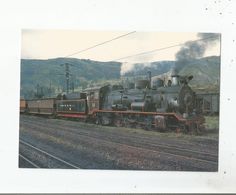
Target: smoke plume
192, 50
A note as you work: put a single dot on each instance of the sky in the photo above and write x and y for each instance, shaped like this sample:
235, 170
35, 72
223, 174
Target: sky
46, 44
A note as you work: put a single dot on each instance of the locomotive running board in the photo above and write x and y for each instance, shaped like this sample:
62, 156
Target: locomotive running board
177, 116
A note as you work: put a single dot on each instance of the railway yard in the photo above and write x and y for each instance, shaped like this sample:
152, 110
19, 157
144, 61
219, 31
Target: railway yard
56, 143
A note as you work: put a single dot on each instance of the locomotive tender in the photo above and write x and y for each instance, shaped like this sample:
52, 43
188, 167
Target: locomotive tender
150, 104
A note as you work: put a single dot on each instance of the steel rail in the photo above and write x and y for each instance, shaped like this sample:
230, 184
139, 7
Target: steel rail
29, 161
52, 156
167, 146
168, 153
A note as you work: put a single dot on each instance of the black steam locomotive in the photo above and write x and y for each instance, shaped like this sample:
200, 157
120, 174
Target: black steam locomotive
149, 104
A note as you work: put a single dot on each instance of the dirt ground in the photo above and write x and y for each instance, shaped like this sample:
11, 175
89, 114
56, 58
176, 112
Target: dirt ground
90, 146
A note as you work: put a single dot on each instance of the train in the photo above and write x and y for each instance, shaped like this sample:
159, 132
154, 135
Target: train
149, 104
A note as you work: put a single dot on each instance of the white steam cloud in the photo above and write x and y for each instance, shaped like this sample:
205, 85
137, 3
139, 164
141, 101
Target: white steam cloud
126, 67
131, 67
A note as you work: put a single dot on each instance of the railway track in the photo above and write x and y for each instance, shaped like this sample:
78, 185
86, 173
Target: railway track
56, 161
40, 119
28, 161
188, 163
154, 147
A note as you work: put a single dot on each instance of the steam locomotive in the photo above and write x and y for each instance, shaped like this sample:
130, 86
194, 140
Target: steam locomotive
150, 104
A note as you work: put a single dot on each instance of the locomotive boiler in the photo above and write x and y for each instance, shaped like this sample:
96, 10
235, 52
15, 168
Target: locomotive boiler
154, 96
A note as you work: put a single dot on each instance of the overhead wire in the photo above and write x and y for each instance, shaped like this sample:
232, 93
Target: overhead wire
99, 44
159, 49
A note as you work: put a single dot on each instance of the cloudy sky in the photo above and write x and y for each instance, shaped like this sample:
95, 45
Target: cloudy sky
45, 44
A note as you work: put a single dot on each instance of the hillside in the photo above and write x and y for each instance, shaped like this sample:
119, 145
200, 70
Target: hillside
47, 77
205, 71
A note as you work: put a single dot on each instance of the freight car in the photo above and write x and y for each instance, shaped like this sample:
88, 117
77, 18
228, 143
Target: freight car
149, 106
42, 106
22, 105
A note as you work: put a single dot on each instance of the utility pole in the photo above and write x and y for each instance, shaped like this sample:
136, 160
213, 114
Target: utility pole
50, 88
67, 74
67, 77
37, 93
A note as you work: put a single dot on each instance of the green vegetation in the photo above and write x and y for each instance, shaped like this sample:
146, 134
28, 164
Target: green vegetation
40, 78
205, 71
212, 122
44, 78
